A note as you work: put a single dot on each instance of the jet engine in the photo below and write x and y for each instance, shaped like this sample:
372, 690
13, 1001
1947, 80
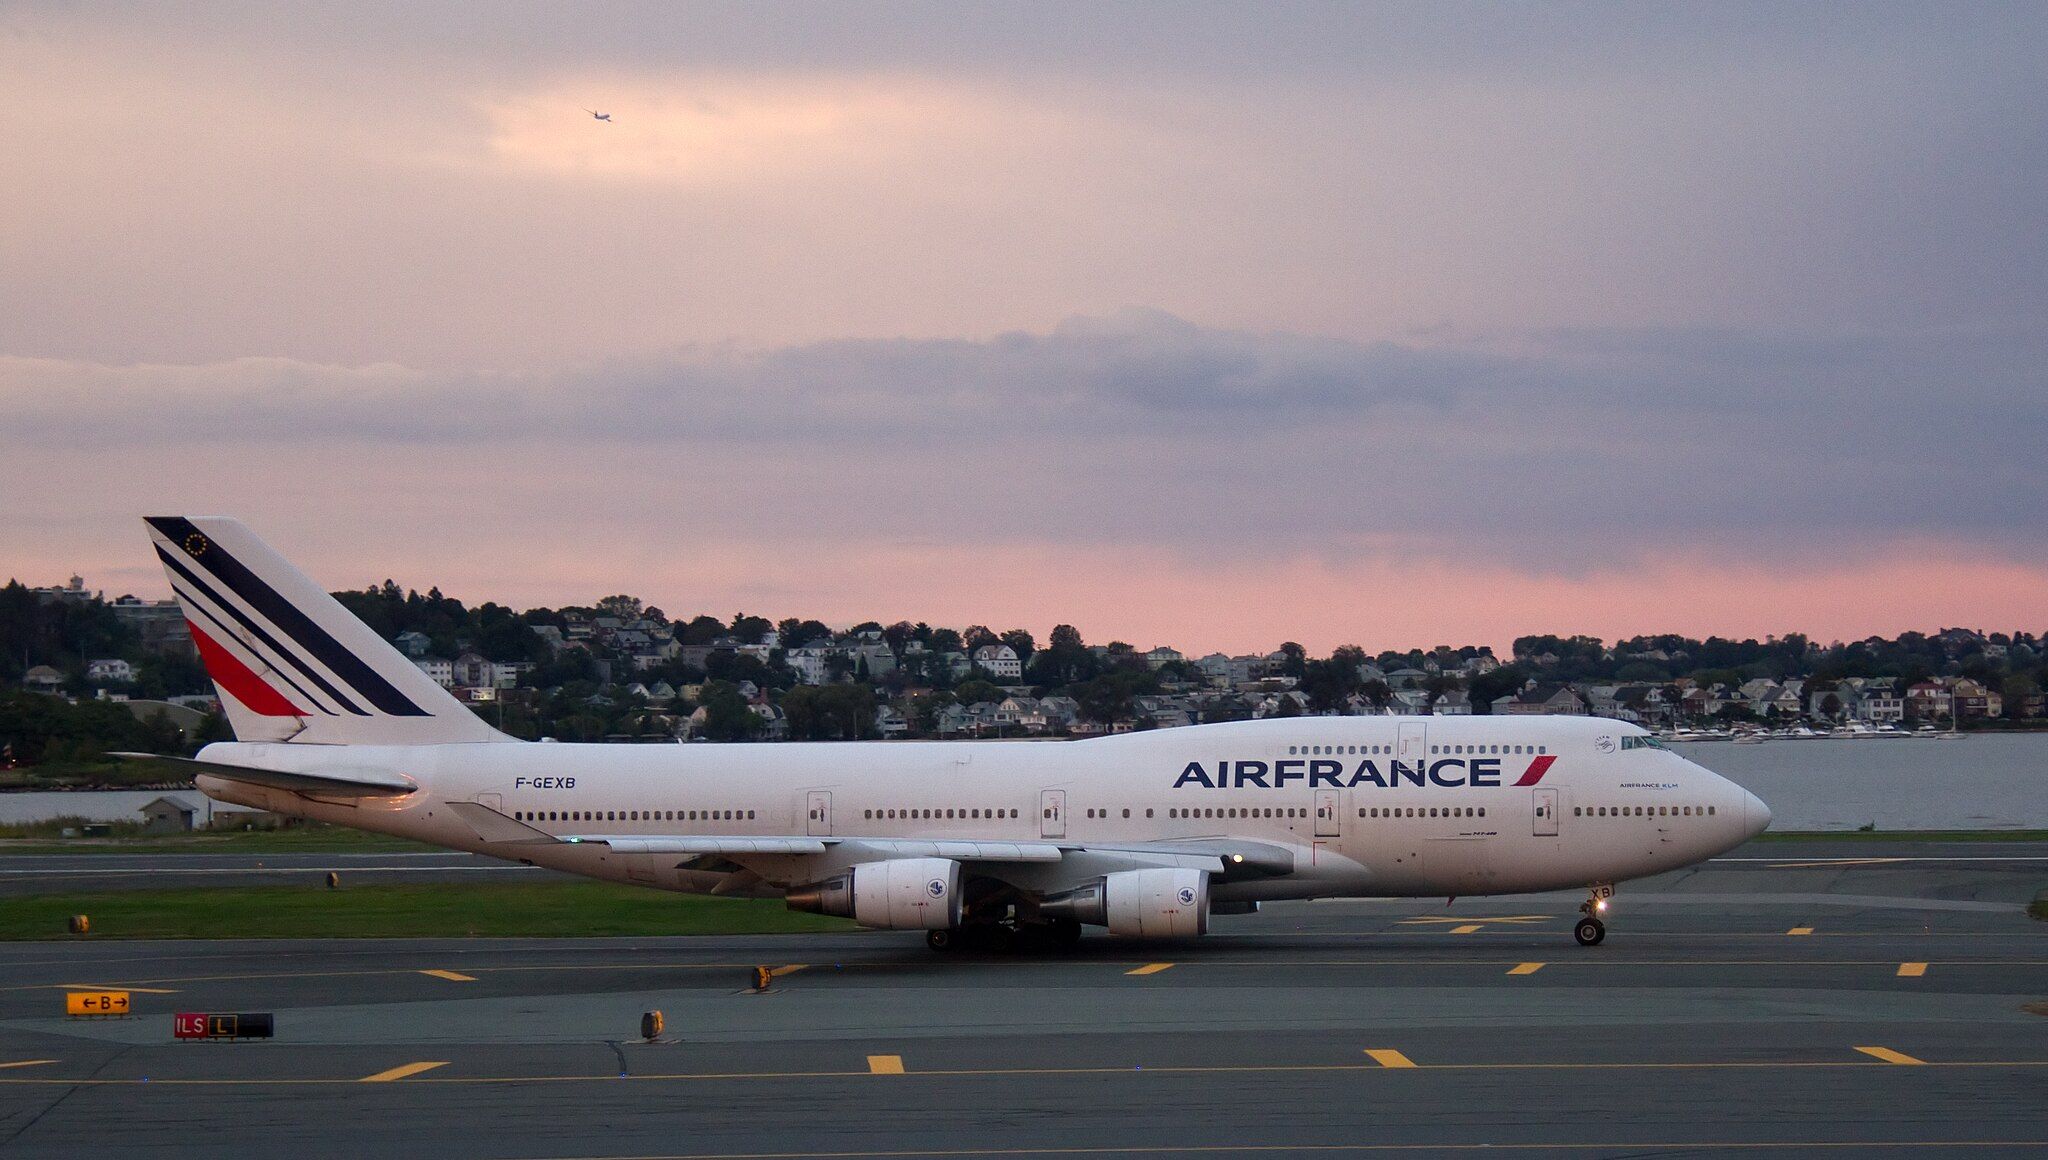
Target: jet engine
902, 894
1158, 903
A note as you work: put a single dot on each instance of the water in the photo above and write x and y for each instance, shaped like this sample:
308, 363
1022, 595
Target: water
1983, 782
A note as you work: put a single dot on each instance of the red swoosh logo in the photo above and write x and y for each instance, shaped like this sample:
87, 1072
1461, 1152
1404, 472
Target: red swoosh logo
1536, 770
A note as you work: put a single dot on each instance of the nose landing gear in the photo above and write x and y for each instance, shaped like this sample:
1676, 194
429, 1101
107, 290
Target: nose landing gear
1591, 931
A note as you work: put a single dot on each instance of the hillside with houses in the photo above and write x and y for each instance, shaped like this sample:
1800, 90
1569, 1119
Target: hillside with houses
620, 670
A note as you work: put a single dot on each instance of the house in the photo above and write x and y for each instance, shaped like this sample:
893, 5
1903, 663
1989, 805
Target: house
1162, 656
890, 721
1452, 703
166, 815
876, 658
413, 644
1000, 661
811, 664
1973, 700
111, 669
1541, 701
1929, 700
43, 679
440, 669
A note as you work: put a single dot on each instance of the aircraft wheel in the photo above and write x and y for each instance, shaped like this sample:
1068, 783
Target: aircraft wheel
1590, 932
942, 940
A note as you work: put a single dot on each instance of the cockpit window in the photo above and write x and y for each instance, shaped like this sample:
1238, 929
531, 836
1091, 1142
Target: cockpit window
1641, 743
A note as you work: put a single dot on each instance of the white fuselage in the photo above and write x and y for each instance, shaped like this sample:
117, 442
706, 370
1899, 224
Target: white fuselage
1360, 806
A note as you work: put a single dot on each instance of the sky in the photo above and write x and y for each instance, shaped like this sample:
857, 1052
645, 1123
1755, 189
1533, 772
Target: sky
1212, 325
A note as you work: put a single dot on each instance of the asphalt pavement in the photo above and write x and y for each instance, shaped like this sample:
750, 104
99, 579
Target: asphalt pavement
1858, 998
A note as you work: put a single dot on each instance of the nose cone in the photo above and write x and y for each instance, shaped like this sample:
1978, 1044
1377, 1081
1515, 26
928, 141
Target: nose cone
1756, 816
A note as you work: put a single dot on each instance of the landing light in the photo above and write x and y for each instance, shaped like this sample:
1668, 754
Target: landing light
1237, 857
1601, 906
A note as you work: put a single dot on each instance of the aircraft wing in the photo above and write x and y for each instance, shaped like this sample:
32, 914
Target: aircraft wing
881, 849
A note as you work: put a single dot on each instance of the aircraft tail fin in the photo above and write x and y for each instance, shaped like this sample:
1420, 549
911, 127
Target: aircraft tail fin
290, 663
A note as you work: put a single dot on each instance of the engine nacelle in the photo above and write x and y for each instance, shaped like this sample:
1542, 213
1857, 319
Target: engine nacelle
902, 894
1158, 903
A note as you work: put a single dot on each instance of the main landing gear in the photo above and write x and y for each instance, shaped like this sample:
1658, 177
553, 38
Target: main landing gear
1590, 931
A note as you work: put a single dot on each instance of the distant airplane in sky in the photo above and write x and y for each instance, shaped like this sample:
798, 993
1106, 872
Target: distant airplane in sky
598, 115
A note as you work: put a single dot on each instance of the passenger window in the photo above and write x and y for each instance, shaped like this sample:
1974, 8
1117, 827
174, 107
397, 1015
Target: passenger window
1148, 813
1710, 811
1482, 811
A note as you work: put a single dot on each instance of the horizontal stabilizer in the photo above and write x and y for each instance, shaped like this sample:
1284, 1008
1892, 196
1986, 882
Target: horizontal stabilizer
331, 783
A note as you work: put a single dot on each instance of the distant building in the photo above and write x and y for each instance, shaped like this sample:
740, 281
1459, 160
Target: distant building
166, 815
439, 668
1000, 660
43, 679
1541, 701
412, 644
111, 669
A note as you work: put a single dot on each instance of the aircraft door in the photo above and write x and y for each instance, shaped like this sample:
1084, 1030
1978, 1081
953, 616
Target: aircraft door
818, 813
1411, 751
1545, 817
1326, 813
1052, 813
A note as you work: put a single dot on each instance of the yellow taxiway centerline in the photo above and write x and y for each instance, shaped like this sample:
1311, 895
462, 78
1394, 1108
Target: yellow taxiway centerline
791, 969
451, 976
1526, 969
1149, 969
26, 1063
107, 987
401, 1072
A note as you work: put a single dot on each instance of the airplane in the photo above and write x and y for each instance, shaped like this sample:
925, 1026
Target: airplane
599, 116
980, 844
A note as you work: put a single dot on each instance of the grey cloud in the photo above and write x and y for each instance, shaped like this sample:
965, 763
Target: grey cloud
1571, 450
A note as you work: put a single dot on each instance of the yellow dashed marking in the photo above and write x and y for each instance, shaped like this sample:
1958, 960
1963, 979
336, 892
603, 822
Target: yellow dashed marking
1800, 930
26, 1063
451, 976
1388, 1057
402, 1072
1149, 969
1526, 969
1912, 970
1468, 928
885, 1064
1888, 1055
791, 969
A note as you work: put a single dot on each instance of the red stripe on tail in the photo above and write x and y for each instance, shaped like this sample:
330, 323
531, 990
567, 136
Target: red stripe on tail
238, 681
1536, 770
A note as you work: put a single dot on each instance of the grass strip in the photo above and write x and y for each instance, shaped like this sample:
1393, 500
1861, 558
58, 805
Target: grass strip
402, 910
